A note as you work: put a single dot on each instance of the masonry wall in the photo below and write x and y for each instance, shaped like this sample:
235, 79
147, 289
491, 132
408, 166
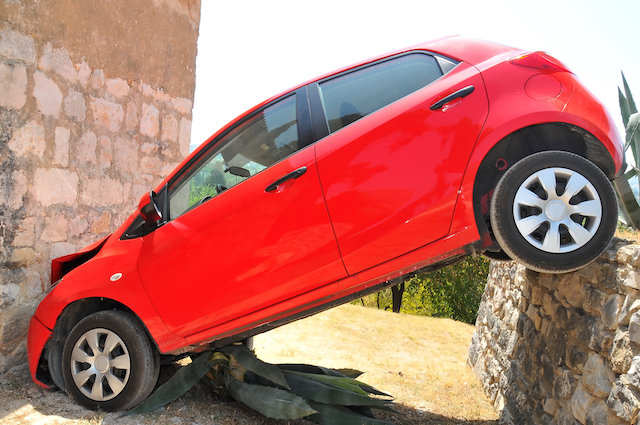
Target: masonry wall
95, 109
562, 349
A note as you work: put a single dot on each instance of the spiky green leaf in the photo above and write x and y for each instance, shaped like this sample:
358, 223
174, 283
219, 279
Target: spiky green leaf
344, 382
247, 359
306, 368
181, 382
340, 415
627, 92
633, 132
312, 389
271, 402
624, 107
351, 373
629, 203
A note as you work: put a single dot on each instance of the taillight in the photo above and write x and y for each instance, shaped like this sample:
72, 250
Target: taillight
539, 60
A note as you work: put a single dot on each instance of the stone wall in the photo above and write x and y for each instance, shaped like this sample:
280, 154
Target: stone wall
562, 349
95, 109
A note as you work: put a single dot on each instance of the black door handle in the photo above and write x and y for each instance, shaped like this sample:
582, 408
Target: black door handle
292, 175
460, 93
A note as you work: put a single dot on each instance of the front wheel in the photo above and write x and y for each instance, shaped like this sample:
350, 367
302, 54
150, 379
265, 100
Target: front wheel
554, 212
108, 362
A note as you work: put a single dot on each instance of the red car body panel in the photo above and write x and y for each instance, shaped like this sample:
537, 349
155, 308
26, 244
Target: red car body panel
380, 198
253, 263
376, 217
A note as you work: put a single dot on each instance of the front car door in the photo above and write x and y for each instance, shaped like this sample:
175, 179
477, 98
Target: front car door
390, 166
236, 242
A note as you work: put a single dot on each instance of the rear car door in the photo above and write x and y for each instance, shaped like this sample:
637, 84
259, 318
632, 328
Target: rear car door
394, 153
249, 227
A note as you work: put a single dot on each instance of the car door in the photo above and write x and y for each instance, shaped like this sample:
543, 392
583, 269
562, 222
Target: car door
249, 227
393, 158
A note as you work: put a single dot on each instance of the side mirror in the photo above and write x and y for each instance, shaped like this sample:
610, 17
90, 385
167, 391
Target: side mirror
148, 208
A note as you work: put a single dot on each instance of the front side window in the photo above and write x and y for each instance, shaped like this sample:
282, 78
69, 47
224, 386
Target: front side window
352, 96
254, 145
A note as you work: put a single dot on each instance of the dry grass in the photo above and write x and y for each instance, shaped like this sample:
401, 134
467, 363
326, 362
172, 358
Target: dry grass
418, 360
421, 361
628, 233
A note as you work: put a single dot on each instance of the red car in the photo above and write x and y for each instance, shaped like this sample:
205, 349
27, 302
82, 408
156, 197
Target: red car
336, 189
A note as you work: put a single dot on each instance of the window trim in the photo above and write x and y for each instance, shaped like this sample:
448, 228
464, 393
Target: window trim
318, 114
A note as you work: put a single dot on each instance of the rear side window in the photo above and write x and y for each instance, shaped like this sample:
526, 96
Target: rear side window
352, 96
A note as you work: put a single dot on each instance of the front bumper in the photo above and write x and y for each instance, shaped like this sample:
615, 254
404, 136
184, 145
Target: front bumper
37, 338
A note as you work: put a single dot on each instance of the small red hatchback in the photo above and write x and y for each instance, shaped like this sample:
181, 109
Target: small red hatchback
335, 189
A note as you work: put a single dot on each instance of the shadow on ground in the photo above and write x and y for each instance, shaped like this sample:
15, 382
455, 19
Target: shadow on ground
23, 402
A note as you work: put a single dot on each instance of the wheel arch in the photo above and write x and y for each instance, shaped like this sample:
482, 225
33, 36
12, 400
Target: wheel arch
521, 143
51, 358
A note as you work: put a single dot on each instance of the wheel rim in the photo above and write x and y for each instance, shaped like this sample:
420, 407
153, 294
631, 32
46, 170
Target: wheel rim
557, 210
100, 364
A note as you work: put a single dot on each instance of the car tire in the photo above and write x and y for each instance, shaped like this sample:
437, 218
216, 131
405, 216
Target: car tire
550, 232
108, 362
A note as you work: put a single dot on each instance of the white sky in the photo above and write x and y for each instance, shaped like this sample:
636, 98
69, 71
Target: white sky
250, 50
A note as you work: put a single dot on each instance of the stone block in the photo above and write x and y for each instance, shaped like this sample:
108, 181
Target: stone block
56, 229
581, 403
78, 226
182, 105
20, 186
105, 147
103, 224
611, 310
17, 46
21, 257
13, 85
97, 79
170, 128
29, 140
107, 114
86, 148
126, 155
25, 235
596, 377
14, 325
75, 106
150, 165
624, 401
61, 146
84, 73
54, 186
131, 122
102, 192
184, 138
60, 249
48, 95
620, 354
629, 254
150, 121
634, 327
58, 61
117, 87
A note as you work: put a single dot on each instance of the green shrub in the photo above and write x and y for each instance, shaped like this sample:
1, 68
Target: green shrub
454, 292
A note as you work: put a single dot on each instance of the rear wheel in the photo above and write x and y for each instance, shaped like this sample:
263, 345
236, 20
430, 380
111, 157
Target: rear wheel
108, 362
554, 212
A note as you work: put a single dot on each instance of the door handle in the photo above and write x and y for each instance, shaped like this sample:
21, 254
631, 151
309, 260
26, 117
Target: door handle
459, 94
292, 175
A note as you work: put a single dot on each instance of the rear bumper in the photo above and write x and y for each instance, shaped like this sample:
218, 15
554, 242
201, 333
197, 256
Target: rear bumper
37, 338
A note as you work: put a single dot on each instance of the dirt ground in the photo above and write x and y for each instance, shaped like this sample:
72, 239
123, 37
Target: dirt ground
420, 361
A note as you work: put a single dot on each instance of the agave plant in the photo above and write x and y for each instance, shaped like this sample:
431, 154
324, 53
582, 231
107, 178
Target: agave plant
629, 208
283, 391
